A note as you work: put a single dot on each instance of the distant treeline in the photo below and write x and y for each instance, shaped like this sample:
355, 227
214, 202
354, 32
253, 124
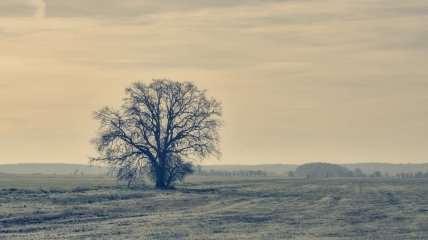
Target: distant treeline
318, 170
411, 175
328, 170
358, 173
240, 173
379, 174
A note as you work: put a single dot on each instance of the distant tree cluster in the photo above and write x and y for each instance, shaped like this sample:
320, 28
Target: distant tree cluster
377, 174
77, 172
358, 173
412, 175
322, 170
240, 173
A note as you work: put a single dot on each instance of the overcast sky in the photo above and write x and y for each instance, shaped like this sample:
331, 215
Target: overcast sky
300, 81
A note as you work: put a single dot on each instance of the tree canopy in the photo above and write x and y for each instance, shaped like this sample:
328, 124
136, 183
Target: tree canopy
160, 129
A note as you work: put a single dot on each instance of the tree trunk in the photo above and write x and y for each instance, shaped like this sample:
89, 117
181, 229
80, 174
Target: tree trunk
161, 174
160, 183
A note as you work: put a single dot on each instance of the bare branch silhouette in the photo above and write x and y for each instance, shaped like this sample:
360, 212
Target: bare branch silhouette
159, 125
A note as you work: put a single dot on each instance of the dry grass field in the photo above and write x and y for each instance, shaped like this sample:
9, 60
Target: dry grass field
95, 207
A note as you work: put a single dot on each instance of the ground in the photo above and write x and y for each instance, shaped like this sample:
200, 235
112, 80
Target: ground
96, 207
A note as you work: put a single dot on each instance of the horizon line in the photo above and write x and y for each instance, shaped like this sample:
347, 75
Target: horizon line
229, 164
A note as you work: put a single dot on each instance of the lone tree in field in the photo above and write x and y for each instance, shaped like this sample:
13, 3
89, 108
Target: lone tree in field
160, 129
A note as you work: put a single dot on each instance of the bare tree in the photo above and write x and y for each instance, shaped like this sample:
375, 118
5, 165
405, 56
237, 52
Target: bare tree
159, 126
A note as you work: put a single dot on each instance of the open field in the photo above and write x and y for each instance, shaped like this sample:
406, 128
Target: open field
74, 207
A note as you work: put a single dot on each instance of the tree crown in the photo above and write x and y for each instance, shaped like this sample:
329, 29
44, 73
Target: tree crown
157, 121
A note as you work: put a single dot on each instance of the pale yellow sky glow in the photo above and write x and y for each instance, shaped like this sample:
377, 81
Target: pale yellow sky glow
300, 81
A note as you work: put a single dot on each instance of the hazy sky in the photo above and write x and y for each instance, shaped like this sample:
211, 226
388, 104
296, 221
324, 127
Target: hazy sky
300, 81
